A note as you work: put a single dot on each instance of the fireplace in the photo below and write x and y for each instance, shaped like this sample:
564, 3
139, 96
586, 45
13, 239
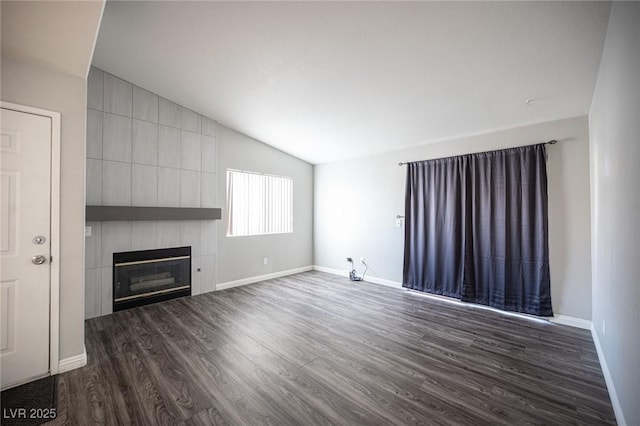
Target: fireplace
149, 276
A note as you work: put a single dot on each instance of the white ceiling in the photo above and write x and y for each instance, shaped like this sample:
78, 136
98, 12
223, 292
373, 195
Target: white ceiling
332, 80
54, 34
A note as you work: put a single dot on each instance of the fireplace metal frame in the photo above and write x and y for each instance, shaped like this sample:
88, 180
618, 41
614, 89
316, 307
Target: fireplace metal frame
149, 256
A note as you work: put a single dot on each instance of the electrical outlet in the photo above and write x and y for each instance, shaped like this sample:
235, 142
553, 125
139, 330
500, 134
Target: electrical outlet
87, 231
265, 261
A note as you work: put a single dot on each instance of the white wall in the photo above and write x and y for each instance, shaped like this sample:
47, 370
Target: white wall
356, 202
38, 87
615, 203
242, 257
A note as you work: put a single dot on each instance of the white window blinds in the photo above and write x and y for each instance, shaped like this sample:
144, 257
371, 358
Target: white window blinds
258, 204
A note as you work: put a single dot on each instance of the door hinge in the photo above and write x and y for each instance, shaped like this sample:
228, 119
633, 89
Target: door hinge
50, 259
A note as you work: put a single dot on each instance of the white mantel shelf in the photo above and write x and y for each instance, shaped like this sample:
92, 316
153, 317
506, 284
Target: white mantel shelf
129, 213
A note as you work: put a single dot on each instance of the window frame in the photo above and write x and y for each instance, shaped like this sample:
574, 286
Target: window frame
265, 203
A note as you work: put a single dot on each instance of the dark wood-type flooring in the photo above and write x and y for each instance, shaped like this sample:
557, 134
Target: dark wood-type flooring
314, 348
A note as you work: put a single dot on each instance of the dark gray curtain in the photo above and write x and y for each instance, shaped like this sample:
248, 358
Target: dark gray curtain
434, 203
476, 229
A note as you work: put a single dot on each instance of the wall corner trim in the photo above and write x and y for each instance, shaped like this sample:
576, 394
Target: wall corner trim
73, 362
615, 402
571, 321
258, 278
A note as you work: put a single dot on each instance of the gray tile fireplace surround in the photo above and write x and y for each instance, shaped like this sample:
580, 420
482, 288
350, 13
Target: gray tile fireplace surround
146, 151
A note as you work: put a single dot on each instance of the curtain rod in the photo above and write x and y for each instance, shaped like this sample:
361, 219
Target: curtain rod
551, 142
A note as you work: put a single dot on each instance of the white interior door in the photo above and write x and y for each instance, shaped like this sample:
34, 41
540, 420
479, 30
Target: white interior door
25, 234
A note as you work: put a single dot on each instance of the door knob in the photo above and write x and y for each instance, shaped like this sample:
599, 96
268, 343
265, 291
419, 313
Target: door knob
38, 260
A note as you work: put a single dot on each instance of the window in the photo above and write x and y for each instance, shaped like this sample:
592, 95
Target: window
258, 204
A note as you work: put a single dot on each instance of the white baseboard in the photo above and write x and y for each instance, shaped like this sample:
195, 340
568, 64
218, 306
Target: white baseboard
73, 362
615, 402
558, 319
383, 281
571, 321
258, 278
331, 271
367, 278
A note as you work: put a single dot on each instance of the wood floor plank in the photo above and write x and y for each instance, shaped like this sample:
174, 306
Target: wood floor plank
314, 348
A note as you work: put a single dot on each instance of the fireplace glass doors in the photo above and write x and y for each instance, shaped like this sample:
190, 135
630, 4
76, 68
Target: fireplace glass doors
149, 276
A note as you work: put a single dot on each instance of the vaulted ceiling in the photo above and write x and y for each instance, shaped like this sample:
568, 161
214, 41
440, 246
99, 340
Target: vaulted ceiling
332, 80
59, 35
